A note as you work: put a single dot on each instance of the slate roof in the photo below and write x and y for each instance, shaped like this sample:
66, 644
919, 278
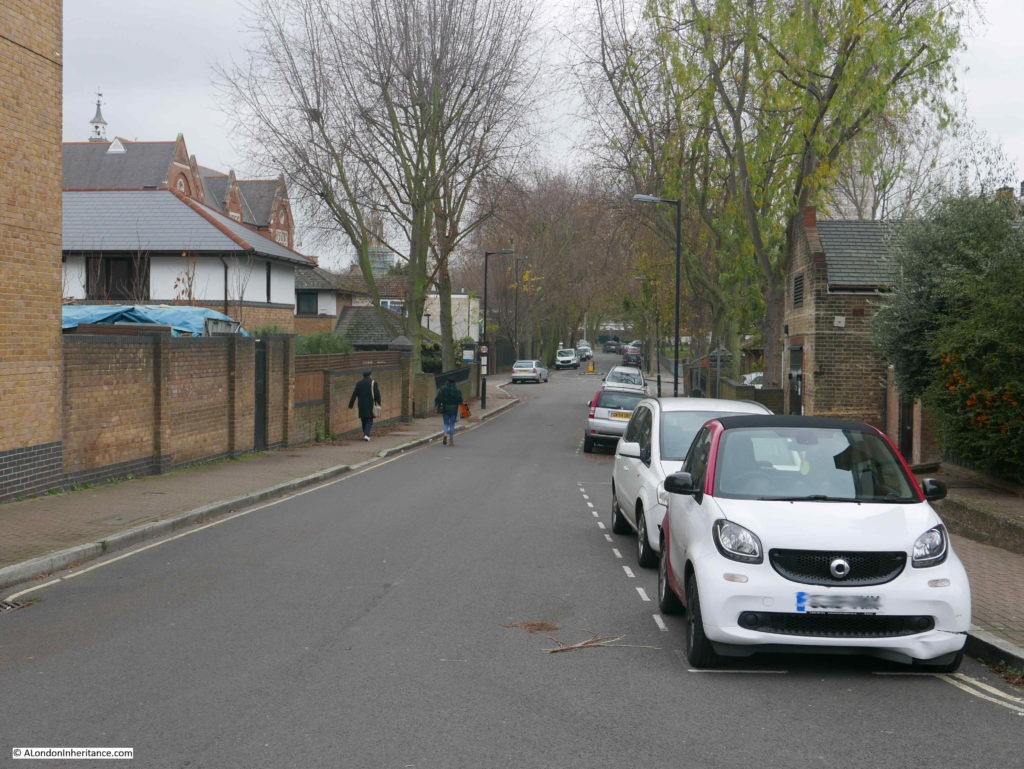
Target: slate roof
389, 286
319, 279
368, 327
158, 221
89, 165
857, 254
215, 186
258, 195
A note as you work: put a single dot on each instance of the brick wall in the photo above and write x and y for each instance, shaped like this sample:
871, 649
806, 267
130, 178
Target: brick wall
30, 243
305, 325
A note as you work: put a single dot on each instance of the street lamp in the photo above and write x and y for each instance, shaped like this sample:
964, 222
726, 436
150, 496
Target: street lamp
483, 333
427, 316
639, 198
657, 325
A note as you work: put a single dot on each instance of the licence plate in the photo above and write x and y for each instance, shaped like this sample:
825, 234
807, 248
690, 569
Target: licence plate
854, 604
621, 414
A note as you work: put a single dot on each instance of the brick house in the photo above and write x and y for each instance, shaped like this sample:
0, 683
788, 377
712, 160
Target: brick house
144, 223
841, 271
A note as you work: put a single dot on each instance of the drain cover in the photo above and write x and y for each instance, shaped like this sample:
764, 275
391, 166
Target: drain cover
12, 605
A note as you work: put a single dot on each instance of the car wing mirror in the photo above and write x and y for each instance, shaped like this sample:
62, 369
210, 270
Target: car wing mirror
629, 449
680, 483
933, 489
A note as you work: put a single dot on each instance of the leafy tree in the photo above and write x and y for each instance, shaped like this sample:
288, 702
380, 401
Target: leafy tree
954, 331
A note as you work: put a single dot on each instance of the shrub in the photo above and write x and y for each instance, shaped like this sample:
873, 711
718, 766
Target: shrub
322, 343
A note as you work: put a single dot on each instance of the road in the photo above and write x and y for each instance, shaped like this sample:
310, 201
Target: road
404, 617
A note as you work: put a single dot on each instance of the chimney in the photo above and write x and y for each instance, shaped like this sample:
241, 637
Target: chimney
810, 217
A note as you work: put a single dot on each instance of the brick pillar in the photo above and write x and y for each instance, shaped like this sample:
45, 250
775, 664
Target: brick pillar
161, 352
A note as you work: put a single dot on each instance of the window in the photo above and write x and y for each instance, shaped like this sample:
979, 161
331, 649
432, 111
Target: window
396, 306
697, 461
268, 282
305, 302
798, 290
117, 277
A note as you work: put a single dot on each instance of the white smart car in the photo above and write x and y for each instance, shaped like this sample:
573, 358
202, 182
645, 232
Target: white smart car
810, 534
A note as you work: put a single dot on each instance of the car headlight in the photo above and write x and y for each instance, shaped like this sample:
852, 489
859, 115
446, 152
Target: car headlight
736, 542
930, 548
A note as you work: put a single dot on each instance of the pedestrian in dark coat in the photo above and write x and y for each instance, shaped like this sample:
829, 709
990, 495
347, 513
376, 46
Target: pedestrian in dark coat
447, 403
367, 393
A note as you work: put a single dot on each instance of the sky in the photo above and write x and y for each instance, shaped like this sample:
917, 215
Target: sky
153, 61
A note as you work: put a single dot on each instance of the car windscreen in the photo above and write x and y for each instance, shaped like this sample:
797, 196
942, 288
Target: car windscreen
618, 400
523, 364
625, 378
566, 353
812, 463
678, 429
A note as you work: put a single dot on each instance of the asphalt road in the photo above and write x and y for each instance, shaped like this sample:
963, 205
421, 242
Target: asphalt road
405, 616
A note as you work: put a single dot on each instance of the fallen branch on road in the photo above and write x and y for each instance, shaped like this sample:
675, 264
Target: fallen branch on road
593, 642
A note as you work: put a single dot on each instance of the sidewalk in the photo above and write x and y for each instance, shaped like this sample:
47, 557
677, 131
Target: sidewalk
46, 534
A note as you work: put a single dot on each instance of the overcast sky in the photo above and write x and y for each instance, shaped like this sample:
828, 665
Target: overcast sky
152, 59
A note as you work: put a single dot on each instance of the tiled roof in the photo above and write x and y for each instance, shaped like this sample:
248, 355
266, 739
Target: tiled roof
857, 253
368, 326
89, 165
316, 279
158, 221
389, 286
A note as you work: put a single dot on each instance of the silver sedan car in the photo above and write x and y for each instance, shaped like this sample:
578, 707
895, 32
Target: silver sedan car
529, 371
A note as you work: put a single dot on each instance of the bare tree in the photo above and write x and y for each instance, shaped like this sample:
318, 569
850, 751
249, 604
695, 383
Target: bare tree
385, 109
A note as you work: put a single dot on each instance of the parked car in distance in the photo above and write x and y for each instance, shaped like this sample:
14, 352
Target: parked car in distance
567, 358
754, 379
824, 538
633, 359
625, 378
584, 352
612, 345
529, 371
607, 415
654, 444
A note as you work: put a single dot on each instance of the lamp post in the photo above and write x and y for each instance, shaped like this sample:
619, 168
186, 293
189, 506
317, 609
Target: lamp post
427, 316
483, 333
657, 324
679, 250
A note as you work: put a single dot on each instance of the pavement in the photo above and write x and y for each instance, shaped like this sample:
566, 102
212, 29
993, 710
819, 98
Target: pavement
43, 535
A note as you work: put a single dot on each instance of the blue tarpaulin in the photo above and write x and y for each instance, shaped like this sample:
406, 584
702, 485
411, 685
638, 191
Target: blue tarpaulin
182, 319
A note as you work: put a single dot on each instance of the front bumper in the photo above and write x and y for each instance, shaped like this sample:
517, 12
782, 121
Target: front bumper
937, 598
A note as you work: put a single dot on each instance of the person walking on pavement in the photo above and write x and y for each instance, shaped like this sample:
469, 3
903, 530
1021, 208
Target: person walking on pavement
447, 403
367, 393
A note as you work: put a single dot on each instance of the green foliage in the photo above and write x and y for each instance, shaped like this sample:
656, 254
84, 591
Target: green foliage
430, 359
322, 343
955, 332
269, 330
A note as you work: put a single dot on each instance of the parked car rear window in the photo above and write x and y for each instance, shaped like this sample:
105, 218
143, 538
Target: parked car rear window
618, 399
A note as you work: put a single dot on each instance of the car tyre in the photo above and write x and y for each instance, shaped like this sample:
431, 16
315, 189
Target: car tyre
668, 601
619, 523
588, 444
699, 651
645, 555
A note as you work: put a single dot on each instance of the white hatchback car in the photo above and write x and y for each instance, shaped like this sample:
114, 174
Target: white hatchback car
567, 358
654, 444
625, 378
804, 533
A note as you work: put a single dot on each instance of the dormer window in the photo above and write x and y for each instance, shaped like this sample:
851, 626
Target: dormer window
181, 184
